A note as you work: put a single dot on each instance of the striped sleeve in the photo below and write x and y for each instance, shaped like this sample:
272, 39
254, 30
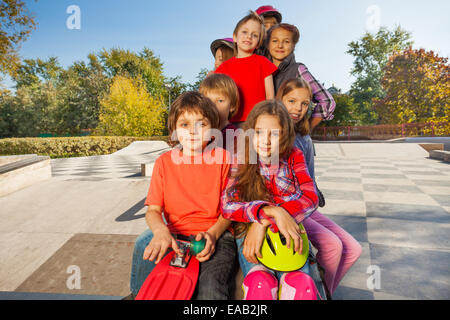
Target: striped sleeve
305, 201
235, 210
325, 103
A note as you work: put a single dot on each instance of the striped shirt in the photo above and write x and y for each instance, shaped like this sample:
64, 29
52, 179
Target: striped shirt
289, 185
323, 99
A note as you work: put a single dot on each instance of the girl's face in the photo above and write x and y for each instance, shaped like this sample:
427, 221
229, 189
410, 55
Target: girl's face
193, 132
222, 103
218, 58
266, 140
297, 103
280, 44
269, 22
247, 37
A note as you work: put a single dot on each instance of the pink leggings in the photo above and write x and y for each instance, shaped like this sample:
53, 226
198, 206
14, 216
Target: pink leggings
337, 249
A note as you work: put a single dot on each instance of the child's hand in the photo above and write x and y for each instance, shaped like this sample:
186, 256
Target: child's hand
287, 226
210, 246
162, 240
253, 242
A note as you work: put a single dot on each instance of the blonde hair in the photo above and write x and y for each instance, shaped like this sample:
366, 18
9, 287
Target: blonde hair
224, 84
255, 17
302, 126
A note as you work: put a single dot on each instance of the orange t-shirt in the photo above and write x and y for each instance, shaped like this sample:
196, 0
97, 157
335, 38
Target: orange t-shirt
189, 192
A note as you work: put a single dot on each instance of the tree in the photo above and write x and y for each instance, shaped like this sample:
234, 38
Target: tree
345, 113
16, 24
371, 54
143, 65
201, 75
82, 87
129, 110
417, 85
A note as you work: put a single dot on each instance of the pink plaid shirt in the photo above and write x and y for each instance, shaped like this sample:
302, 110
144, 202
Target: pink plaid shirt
324, 101
290, 187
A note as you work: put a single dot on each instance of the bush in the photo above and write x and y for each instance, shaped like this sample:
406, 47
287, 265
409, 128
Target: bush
68, 146
129, 110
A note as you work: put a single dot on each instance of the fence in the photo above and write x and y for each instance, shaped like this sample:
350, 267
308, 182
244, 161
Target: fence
382, 132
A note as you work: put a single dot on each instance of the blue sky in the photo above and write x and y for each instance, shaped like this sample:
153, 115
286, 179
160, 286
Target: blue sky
180, 32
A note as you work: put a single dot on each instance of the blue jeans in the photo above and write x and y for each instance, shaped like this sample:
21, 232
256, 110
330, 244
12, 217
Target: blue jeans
246, 266
215, 280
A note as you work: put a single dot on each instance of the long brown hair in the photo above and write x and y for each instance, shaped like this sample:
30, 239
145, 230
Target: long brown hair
302, 126
250, 184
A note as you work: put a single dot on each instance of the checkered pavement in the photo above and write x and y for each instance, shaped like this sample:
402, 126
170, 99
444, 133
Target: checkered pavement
399, 211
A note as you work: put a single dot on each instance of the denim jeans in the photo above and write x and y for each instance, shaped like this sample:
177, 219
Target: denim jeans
247, 266
215, 280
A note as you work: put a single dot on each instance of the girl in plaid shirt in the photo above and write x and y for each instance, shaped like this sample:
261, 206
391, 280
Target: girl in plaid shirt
337, 249
266, 193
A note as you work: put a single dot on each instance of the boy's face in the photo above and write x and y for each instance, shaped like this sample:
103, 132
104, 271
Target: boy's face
247, 37
193, 132
269, 22
222, 103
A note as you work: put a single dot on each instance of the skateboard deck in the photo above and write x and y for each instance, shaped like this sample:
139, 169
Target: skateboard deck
167, 282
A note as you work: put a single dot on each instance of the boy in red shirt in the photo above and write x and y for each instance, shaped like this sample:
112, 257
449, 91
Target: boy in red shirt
251, 72
185, 188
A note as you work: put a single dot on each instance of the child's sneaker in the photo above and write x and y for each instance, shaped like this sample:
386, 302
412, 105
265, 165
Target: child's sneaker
297, 285
260, 284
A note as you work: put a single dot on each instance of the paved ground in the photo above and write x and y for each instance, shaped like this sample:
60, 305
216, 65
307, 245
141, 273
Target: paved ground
390, 197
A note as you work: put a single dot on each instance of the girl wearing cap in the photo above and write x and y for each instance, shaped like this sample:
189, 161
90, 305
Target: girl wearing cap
270, 15
222, 50
252, 73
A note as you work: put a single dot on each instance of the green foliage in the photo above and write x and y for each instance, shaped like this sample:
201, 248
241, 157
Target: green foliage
417, 83
371, 54
345, 113
129, 110
67, 147
201, 75
16, 24
67, 101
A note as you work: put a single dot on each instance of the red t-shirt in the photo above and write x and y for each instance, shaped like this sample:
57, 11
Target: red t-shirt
249, 74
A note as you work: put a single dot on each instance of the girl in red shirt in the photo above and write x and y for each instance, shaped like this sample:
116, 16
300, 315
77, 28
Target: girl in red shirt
251, 72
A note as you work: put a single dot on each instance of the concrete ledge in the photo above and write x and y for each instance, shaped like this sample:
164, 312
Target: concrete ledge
147, 169
432, 146
440, 155
23, 173
9, 159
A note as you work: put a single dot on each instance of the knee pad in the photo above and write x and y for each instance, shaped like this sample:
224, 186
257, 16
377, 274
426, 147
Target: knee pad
260, 285
297, 285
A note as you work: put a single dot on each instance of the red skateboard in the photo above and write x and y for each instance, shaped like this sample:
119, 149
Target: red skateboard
175, 276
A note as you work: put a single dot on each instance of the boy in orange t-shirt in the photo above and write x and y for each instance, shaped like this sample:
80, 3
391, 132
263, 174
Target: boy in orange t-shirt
185, 188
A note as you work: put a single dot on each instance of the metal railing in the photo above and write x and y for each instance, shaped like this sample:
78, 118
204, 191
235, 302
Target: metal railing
382, 132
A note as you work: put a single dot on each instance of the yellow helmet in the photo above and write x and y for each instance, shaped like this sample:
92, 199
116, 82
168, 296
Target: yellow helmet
277, 256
